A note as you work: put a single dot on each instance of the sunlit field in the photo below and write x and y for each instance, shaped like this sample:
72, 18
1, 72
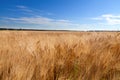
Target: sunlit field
52, 55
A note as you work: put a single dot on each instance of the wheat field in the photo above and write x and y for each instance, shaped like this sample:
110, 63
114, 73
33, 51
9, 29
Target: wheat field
52, 55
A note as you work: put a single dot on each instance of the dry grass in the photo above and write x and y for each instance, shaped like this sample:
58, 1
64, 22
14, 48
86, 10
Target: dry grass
59, 55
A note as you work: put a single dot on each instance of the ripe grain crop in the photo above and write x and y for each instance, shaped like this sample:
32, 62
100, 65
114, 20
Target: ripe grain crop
49, 55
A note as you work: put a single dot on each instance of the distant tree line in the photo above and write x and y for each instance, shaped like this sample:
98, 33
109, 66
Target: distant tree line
21, 29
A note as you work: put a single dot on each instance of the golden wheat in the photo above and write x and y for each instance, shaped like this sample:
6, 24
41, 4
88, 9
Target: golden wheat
44, 55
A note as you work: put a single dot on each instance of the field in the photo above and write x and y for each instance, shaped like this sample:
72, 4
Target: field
52, 55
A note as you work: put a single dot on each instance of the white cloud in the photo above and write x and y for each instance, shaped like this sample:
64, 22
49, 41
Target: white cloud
35, 18
31, 20
109, 18
42, 21
24, 8
31, 11
21, 7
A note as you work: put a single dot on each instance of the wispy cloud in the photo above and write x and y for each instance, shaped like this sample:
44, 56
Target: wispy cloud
109, 18
103, 22
42, 21
24, 8
38, 19
21, 6
32, 11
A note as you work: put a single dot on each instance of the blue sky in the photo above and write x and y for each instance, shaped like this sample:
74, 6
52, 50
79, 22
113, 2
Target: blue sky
60, 14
